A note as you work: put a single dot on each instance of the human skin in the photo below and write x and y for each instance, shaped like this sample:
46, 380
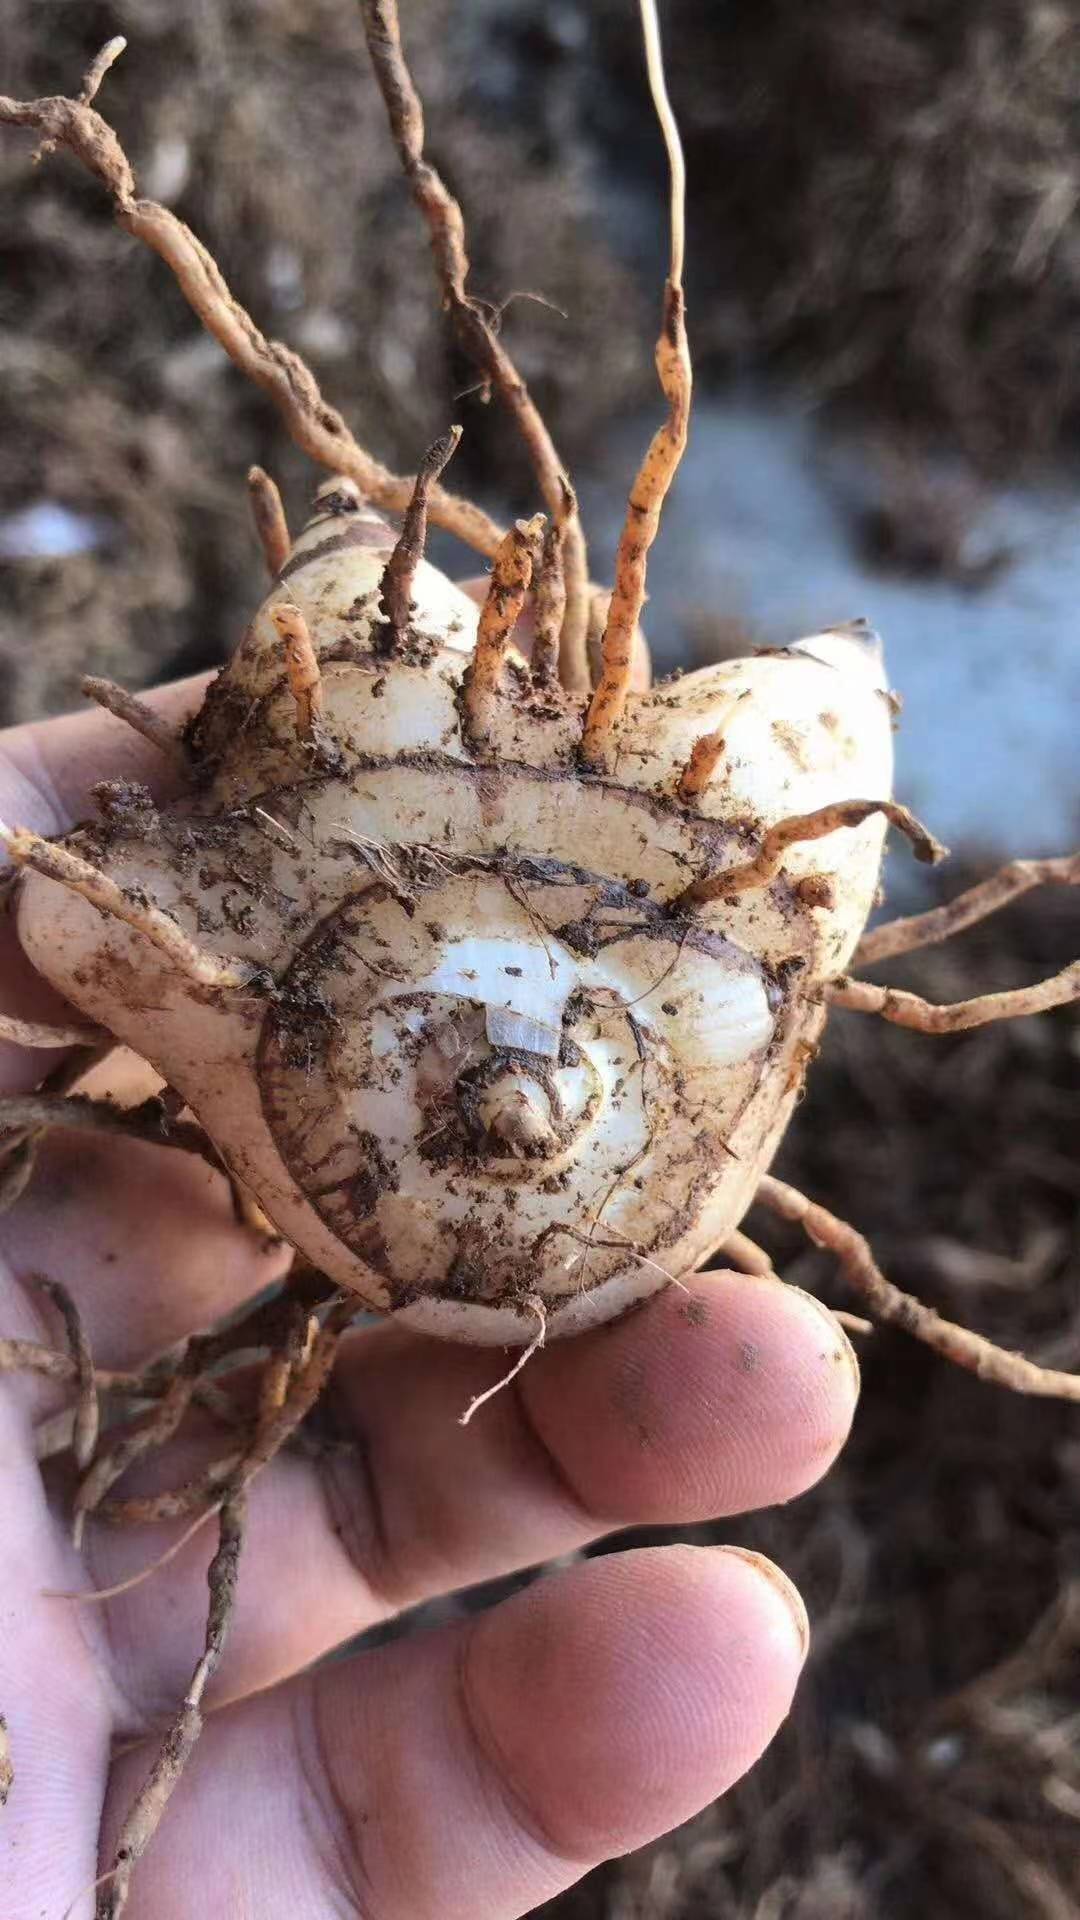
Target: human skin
470, 1771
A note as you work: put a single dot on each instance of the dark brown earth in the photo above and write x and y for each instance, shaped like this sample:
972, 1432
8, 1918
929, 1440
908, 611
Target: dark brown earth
930, 1767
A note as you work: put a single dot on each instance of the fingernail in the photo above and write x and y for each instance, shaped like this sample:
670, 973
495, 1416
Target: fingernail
787, 1590
841, 1350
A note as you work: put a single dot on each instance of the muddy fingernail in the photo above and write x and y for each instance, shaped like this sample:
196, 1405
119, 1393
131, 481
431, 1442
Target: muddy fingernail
787, 1590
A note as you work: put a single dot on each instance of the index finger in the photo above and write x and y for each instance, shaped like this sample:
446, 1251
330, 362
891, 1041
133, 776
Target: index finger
48, 770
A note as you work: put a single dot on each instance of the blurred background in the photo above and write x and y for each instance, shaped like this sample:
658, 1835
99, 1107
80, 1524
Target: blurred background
884, 297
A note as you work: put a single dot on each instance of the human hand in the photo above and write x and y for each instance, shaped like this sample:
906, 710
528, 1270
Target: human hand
471, 1771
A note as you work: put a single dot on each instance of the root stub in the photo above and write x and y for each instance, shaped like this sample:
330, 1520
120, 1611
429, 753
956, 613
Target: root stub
400, 572
301, 666
511, 578
269, 517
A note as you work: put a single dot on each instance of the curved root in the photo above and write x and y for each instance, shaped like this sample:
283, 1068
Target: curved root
799, 828
896, 1309
957, 1016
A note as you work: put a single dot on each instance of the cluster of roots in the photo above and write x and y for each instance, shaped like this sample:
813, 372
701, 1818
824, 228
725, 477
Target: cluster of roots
291, 1338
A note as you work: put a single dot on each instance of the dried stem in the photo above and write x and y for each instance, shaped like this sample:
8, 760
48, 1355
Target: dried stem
799, 828
510, 580
142, 718
150, 1803
940, 923
894, 1308
400, 572
271, 525
34, 1033
7, 1771
908, 1010
301, 666
475, 333
707, 754
315, 426
650, 489
86, 1414
58, 863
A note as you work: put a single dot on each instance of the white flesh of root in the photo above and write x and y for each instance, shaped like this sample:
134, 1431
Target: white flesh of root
471, 1055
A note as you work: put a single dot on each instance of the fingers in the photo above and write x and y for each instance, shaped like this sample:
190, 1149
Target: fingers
739, 1394
733, 1394
145, 1235
481, 1769
47, 771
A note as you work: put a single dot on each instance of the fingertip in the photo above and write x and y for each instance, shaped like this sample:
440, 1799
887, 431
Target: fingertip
731, 1393
622, 1696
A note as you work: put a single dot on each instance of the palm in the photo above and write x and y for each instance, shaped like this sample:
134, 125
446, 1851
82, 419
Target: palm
470, 1771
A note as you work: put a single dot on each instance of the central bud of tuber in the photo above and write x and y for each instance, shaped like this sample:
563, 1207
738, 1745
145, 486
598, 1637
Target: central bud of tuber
513, 1113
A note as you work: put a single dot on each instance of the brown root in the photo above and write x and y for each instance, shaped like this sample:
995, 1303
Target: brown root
150, 1121
301, 666
511, 577
141, 718
650, 489
7, 1771
92, 79
896, 1309
400, 571
799, 828
86, 1414
34, 1033
137, 1440
923, 1016
553, 655
941, 923
316, 427
153, 1797
29, 849
271, 525
744, 1254
277, 1424
475, 332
